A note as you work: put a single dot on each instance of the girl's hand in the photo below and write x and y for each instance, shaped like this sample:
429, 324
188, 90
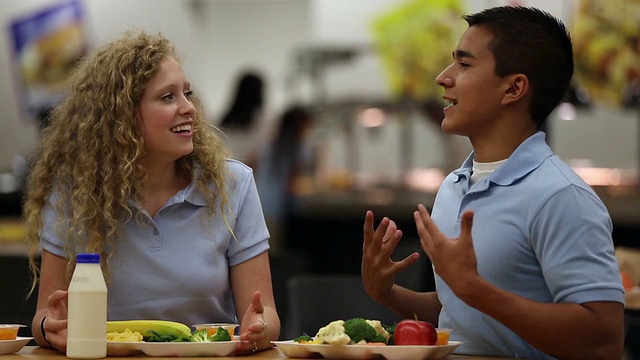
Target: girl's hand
253, 335
55, 324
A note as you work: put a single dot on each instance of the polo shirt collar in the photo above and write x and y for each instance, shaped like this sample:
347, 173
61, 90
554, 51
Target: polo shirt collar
190, 194
464, 172
526, 158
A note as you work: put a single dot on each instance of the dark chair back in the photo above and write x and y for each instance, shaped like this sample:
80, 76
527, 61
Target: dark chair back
314, 300
15, 282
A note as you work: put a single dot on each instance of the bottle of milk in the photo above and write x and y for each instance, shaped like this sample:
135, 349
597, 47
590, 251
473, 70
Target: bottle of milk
87, 309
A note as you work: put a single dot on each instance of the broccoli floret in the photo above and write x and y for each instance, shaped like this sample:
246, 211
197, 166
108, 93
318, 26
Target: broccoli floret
303, 339
380, 329
200, 336
203, 336
221, 335
358, 330
155, 337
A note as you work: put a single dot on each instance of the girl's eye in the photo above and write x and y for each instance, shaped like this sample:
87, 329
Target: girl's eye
170, 96
464, 65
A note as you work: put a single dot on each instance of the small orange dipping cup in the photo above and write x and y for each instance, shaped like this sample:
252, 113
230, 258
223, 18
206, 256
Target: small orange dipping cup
443, 336
9, 331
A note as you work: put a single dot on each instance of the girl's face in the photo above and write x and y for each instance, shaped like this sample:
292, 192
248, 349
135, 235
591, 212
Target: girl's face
166, 114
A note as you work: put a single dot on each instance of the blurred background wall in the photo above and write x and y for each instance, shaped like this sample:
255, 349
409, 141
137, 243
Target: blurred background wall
319, 53
221, 38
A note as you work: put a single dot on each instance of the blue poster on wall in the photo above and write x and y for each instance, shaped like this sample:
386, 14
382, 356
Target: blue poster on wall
46, 46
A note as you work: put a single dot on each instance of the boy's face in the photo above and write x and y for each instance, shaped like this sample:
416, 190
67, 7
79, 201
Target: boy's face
471, 86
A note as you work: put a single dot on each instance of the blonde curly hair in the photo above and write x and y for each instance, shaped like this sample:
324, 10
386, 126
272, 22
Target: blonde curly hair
90, 153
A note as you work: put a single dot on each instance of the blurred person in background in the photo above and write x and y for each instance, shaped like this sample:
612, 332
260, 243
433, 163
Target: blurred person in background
521, 246
244, 123
129, 169
285, 169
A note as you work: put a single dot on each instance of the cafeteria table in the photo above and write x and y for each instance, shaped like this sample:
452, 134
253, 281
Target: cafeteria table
38, 353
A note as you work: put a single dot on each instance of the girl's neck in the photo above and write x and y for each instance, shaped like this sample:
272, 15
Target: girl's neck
161, 183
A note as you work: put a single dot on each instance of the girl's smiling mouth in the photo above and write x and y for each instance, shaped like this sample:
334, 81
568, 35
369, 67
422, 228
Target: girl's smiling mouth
182, 129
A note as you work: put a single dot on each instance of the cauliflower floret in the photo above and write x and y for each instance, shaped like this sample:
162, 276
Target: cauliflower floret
377, 325
333, 334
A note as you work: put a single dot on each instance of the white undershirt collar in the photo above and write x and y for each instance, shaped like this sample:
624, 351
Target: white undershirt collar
481, 170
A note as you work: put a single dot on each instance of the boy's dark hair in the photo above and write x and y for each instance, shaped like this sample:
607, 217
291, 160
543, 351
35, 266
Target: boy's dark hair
532, 42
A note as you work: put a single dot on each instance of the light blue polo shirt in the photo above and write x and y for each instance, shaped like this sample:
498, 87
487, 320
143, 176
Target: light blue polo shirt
177, 267
539, 231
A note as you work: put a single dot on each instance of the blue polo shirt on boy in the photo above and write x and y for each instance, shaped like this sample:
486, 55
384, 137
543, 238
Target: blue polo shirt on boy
539, 231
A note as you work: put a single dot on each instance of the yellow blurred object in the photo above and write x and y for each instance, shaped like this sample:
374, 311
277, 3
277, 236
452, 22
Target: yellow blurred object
12, 231
605, 38
415, 41
341, 180
49, 61
303, 185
